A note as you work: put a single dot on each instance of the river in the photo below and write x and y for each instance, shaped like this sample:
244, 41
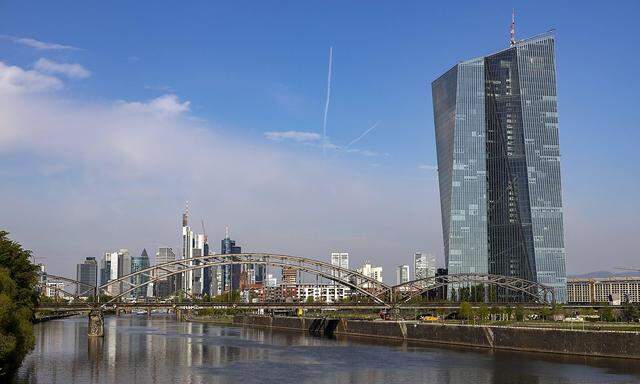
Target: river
160, 350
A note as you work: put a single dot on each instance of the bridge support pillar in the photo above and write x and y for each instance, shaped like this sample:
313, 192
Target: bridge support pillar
96, 323
178, 315
148, 313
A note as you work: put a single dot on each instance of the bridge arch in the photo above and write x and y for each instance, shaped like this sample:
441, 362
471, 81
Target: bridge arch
365, 285
538, 292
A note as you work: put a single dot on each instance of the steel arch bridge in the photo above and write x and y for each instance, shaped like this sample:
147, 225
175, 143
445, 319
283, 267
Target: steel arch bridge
360, 283
535, 291
378, 292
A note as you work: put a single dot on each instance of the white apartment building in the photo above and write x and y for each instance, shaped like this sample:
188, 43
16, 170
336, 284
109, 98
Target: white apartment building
328, 293
371, 271
601, 290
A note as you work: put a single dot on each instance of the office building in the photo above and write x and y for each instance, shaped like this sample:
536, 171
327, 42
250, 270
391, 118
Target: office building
87, 275
604, 290
496, 123
230, 273
113, 266
424, 265
138, 264
165, 286
340, 259
402, 274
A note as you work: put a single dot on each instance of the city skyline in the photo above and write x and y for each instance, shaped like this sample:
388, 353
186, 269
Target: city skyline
183, 131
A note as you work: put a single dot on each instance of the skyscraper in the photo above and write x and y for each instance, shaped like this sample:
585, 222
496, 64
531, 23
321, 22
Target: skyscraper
87, 275
402, 274
496, 123
137, 264
340, 259
424, 265
165, 286
230, 273
113, 266
188, 243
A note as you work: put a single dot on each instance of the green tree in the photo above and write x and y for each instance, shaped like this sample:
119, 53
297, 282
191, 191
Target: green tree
545, 313
483, 312
630, 312
509, 312
606, 314
465, 311
495, 311
18, 299
309, 299
519, 313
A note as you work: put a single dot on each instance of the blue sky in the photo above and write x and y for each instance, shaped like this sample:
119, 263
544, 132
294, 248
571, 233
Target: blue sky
237, 70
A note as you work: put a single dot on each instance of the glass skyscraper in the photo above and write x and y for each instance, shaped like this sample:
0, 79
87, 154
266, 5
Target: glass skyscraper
496, 123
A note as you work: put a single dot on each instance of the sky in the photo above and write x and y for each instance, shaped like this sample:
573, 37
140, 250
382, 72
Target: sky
113, 114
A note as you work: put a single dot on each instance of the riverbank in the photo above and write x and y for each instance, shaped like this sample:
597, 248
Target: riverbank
219, 320
545, 340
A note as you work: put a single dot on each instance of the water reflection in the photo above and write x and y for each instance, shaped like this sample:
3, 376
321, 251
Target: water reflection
160, 350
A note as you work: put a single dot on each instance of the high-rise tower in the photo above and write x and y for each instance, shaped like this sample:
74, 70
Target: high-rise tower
496, 123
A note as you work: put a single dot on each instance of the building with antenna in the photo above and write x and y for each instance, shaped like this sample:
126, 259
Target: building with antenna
496, 125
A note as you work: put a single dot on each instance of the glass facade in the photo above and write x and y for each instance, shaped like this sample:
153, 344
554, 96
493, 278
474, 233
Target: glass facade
137, 264
496, 124
459, 110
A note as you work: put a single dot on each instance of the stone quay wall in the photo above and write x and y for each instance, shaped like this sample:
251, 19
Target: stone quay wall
547, 340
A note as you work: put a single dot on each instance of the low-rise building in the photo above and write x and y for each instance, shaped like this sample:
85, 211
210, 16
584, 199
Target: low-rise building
300, 293
600, 290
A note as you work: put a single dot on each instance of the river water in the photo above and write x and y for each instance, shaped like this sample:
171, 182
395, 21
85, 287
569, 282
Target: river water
160, 350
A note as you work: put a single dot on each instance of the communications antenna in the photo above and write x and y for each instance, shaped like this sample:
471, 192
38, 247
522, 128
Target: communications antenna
512, 30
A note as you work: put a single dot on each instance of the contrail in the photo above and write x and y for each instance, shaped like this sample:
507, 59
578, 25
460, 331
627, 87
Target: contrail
326, 105
362, 135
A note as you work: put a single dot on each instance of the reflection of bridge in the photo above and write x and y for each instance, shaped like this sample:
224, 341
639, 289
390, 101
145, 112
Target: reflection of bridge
367, 290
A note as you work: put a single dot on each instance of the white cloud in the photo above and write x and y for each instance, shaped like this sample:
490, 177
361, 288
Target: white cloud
297, 136
14, 79
166, 105
70, 70
37, 44
428, 167
115, 177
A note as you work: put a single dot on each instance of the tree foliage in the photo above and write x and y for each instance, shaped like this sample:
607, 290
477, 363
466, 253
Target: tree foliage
18, 298
465, 311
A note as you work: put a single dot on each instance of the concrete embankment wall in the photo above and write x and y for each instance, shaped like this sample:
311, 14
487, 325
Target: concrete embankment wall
564, 341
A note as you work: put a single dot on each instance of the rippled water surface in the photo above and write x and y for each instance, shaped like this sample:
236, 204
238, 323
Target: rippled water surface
160, 350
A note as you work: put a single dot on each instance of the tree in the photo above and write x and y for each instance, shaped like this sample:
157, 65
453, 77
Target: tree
495, 311
18, 299
519, 313
545, 313
310, 299
484, 313
630, 312
509, 312
465, 311
606, 314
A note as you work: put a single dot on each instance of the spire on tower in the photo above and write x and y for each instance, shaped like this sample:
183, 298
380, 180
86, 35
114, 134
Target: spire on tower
512, 30
226, 232
185, 215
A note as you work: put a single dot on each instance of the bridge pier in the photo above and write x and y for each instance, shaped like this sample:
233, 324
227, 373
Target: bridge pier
148, 313
96, 323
